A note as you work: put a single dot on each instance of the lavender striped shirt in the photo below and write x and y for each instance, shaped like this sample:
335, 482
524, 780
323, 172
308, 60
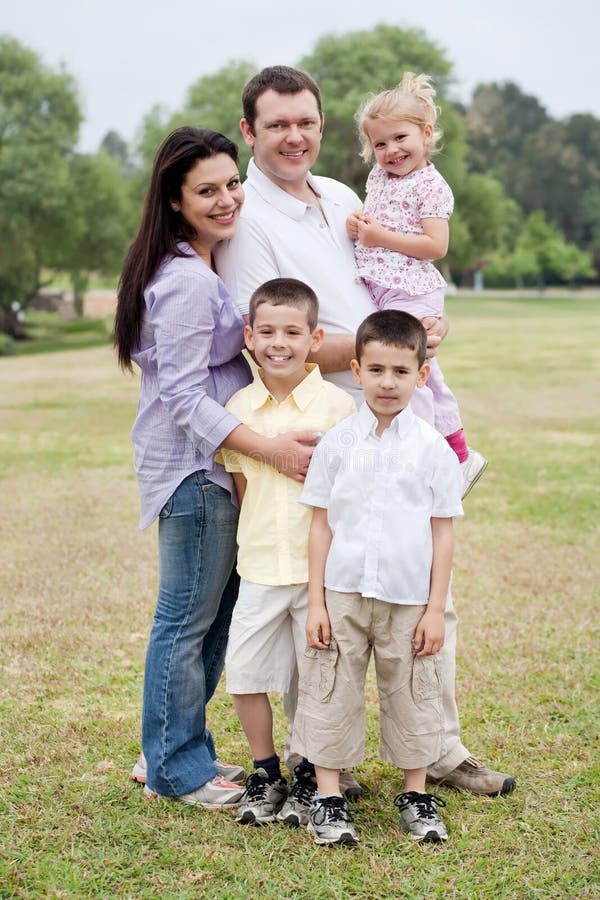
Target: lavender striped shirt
191, 364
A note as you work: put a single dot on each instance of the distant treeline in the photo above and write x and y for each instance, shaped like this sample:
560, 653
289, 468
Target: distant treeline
527, 186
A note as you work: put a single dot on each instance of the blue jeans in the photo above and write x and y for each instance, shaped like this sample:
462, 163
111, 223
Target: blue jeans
197, 592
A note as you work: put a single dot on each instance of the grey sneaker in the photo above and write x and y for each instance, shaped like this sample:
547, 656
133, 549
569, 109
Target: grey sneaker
218, 793
262, 800
419, 816
474, 776
472, 468
296, 809
235, 774
330, 822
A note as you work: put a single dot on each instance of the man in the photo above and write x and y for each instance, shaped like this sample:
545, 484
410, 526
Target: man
293, 225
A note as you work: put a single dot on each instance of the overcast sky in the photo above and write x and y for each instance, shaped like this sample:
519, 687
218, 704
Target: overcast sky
127, 55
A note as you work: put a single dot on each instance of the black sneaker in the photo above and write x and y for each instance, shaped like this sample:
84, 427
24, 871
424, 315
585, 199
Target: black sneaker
330, 822
419, 816
262, 800
296, 809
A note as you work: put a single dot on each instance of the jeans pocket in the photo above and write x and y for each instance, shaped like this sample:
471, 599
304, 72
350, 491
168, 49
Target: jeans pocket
167, 509
426, 681
319, 668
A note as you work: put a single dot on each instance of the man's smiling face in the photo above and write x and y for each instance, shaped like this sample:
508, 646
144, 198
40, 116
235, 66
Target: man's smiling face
287, 135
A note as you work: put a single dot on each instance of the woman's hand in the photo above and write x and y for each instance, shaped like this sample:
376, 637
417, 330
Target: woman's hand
292, 451
289, 453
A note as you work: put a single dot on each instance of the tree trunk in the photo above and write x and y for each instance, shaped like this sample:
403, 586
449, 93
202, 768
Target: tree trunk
9, 324
79, 281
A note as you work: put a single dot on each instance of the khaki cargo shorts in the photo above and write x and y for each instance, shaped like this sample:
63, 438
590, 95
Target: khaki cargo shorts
329, 727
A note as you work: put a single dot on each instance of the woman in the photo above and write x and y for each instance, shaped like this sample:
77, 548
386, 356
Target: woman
176, 321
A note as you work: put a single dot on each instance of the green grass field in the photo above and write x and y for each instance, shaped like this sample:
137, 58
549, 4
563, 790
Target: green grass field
78, 579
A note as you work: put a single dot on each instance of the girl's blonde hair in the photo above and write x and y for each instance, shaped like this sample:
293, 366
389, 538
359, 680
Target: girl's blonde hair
411, 100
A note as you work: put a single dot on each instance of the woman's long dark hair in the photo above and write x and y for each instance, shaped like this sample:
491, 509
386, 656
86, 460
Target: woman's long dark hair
161, 227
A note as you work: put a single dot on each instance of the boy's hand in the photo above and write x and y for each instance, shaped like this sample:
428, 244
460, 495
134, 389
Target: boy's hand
429, 636
352, 225
371, 233
318, 628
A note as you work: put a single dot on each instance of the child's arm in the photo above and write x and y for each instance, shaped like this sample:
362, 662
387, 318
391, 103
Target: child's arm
240, 482
318, 630
429, 636
432, 244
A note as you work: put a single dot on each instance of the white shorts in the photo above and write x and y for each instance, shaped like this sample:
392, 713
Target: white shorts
266, 638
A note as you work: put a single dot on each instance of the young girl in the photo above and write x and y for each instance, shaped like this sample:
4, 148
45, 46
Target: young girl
404, 226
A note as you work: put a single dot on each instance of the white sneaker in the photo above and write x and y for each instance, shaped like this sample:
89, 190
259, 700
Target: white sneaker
231, 773
218, 793
473, 468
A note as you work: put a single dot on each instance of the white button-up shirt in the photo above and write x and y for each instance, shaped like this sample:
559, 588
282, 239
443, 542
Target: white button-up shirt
279, 236
380, 495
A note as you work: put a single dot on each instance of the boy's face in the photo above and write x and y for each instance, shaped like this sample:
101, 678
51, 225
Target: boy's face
388, 376
281, 340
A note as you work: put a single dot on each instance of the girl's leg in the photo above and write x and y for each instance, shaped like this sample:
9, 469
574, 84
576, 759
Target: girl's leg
197, 547
446, 412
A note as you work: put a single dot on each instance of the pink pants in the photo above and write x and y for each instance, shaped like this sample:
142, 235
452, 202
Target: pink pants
434, 402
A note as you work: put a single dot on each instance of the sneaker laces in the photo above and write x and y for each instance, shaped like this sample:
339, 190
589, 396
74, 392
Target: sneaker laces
303, 787
332, 809
256, 785
426, 804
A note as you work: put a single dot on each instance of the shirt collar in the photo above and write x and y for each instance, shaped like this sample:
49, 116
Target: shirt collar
303, 394
274, 195
367, 423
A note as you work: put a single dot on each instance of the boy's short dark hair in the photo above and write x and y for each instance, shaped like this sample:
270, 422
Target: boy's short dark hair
286, 292
283, 80
394, 328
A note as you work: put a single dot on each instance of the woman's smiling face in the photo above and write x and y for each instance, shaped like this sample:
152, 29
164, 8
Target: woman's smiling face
211, 199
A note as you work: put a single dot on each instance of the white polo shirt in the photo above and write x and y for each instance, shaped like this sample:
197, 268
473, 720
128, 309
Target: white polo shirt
380, 495
279, 236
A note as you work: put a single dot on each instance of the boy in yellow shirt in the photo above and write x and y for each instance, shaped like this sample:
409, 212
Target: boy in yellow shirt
267, 637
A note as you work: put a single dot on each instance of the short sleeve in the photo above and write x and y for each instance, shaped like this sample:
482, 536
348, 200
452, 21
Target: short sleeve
437, 201
230, 459
446, 483
320, 476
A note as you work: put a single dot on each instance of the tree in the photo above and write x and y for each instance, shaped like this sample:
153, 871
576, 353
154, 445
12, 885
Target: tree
544, 164
498, 120
541, 254
485, 220
99, 226
39, 123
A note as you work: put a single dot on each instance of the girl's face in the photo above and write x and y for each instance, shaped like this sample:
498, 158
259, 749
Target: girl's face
400, 146
211, 199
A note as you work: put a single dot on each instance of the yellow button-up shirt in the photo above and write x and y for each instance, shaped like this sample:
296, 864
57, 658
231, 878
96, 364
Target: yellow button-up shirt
273, 526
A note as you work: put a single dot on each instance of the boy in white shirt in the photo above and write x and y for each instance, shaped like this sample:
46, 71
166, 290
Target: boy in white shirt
384, 487
267, 632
